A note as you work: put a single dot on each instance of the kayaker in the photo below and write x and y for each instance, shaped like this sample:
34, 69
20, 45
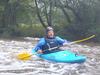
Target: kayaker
49, 41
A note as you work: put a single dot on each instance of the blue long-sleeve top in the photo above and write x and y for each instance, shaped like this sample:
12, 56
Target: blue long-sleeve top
42, 42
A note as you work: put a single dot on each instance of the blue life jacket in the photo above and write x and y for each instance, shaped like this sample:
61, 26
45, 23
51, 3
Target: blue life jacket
50, 43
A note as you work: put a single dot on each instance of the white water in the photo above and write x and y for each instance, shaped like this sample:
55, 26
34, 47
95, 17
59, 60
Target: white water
10, 65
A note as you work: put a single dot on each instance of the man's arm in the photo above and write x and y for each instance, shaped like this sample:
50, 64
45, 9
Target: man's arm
38, 47
61, 41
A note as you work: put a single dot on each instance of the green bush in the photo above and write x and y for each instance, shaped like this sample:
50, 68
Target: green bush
31, 30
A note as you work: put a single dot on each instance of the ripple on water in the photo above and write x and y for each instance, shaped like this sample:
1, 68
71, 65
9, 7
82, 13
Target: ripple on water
9, 65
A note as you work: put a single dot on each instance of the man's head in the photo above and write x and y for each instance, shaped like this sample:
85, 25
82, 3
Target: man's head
50, 32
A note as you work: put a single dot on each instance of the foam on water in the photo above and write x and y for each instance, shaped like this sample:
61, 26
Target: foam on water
10, 65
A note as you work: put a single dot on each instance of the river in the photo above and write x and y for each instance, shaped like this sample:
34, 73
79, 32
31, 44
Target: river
10, 65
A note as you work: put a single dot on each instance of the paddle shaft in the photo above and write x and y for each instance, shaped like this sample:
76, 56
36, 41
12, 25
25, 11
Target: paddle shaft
78, 41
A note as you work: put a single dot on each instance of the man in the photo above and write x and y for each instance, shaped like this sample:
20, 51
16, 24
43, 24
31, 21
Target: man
49, 41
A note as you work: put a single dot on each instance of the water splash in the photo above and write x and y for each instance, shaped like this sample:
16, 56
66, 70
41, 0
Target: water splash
9, 65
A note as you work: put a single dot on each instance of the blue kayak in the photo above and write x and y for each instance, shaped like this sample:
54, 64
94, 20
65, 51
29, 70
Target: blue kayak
63, 56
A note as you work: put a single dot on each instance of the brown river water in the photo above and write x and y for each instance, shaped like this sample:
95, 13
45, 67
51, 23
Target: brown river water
10, 65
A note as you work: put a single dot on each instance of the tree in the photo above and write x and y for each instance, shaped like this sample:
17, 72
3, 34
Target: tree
8, 18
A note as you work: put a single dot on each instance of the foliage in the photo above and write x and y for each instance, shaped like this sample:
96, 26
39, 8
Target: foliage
31, 30
71, 19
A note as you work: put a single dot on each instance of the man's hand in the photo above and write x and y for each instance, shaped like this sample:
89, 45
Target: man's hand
66, 44
40, 51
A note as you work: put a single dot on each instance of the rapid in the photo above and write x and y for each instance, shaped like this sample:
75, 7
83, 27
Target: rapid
10, 65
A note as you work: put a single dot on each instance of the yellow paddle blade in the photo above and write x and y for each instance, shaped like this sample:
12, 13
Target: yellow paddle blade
24, 56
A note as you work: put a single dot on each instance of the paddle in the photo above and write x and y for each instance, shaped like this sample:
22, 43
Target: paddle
78, 41
27, 56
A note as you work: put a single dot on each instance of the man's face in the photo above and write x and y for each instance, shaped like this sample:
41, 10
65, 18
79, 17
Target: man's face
50, 34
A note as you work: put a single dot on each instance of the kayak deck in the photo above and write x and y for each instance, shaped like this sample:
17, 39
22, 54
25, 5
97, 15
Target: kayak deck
64, 56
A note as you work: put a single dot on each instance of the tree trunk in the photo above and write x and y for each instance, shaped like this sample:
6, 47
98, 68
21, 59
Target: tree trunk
39, 16
50, 13
64, 11
9, 16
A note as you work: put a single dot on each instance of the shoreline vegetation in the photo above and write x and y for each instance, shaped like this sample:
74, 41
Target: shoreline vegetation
71, 20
